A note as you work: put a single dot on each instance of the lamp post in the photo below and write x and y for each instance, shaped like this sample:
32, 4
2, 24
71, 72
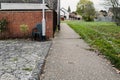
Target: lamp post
43, 22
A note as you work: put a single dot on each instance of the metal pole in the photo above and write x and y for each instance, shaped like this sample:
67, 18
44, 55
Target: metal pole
43, 22
58, 15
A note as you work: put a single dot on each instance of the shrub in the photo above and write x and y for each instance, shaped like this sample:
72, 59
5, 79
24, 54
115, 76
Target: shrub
24, 29
3, 24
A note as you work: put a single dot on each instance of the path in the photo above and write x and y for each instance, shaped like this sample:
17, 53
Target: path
70, 59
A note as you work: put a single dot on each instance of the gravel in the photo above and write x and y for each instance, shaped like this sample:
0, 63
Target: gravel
22, 59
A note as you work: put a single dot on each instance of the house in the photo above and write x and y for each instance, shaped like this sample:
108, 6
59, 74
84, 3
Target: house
100, 16
65, 13
75, 16
103, 16
29, 12
116, 11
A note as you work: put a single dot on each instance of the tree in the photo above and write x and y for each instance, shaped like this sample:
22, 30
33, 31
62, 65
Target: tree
69, 10
81, 6
115, 8
86, 9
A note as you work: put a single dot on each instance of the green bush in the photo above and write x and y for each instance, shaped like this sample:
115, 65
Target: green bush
3, 25
88, 18
24, 29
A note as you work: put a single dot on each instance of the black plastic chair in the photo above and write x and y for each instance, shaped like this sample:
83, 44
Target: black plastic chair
37, 32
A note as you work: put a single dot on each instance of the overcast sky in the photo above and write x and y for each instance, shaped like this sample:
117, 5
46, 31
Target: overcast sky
73, 3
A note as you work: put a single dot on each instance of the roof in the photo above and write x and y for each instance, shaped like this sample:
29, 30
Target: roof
20, 1
22, 6
52, 4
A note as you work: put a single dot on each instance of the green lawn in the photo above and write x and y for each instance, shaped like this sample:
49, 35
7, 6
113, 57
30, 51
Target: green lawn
103, 36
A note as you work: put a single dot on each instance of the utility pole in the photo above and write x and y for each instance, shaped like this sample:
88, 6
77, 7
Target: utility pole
43, 22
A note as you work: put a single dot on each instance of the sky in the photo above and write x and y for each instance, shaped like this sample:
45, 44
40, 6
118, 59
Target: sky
73, 3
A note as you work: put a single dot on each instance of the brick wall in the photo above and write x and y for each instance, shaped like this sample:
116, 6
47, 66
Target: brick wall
30, 18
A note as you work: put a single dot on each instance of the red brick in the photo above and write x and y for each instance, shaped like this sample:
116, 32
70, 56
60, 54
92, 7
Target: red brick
31, 18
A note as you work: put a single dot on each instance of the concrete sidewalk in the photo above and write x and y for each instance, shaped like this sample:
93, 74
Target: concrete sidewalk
70, 59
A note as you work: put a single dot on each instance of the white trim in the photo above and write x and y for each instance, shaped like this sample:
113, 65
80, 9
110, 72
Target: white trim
22, 6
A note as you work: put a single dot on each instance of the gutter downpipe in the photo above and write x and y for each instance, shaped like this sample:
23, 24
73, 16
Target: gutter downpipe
43, 23
58, 15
